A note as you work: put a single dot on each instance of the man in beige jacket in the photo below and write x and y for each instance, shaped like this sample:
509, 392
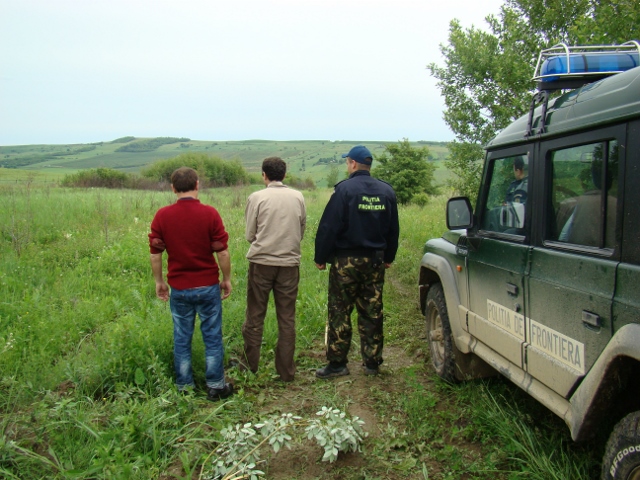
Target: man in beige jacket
275, 222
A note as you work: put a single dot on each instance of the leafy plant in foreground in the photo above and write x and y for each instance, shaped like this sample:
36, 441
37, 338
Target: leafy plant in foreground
239, 454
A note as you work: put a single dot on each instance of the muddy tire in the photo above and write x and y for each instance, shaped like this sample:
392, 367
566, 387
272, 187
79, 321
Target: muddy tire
622, 455
439, 334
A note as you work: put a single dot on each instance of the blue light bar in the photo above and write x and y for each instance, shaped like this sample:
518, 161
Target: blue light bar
585, 63
569, 67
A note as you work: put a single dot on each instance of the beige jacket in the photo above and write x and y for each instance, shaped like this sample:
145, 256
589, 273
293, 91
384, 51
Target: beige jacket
275, 220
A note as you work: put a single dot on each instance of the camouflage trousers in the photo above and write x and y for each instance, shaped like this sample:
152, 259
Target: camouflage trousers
355, 281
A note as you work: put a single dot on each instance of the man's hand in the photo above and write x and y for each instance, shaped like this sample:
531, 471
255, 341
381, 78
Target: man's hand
224, 261
387, 265
322, 266
225, 288
162, 291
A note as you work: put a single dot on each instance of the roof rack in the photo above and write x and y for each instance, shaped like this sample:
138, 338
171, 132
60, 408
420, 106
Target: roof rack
563, 67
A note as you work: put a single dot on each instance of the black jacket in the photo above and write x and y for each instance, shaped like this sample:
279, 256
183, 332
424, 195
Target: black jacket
362, 214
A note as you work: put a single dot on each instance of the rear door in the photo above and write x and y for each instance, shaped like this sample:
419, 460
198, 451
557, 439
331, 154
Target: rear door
626, 305
571, 282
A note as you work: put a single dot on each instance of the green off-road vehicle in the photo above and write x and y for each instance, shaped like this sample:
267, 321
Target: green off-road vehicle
541, 282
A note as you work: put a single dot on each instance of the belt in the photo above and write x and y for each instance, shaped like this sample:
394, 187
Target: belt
357, 252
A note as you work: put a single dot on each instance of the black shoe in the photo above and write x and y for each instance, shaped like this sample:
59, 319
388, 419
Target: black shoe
215, 394
332, 370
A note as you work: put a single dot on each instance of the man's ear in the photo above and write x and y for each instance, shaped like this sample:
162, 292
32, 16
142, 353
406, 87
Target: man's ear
197, 184
173, 188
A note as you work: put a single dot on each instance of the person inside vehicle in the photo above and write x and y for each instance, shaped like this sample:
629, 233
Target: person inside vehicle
517, 191
513, 214
584, 225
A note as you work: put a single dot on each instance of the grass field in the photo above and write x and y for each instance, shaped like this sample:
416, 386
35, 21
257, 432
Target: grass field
305, 158
86, 382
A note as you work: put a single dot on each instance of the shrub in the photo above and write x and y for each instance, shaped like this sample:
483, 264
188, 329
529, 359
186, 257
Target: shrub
306, 183
255, 179
421, 199
98, 177
239, 453
212, 170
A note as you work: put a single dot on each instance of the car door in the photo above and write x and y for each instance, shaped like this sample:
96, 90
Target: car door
571, 282
496, 263
626, 304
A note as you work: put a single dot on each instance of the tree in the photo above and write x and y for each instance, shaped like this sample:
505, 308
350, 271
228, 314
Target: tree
332, 176
486, 79
407, 170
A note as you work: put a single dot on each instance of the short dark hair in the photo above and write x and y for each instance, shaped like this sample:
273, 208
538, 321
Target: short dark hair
362, 166
184, 179
274, 168
518, 163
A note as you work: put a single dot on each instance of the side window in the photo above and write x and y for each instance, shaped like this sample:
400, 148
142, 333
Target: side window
505, 209
584, 194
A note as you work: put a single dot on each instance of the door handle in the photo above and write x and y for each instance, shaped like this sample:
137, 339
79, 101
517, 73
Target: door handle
591, 319
512, 289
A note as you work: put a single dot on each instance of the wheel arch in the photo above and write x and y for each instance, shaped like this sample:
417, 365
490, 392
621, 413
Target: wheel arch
433, 269
610, 390
427, 278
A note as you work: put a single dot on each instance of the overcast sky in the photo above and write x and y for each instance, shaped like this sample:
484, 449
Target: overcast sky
80, 71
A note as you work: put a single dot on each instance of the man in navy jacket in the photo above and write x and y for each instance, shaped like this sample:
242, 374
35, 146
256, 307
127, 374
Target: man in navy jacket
358, 237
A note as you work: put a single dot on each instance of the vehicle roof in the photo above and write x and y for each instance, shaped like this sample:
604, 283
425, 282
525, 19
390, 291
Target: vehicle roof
610, 100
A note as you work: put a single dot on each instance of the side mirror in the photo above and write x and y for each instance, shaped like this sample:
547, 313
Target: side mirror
459, 213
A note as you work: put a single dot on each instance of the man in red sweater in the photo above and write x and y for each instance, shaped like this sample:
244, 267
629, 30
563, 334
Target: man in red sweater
191, 233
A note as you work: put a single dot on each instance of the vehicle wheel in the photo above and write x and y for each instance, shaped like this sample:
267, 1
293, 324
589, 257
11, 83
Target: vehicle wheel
439, 334
622, 455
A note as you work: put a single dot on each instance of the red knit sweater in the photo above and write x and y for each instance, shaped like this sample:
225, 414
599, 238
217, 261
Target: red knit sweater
190, 232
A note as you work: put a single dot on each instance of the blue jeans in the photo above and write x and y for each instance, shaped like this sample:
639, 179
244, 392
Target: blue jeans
206, 302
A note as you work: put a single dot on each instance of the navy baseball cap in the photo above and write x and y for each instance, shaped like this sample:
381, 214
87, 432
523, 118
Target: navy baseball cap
360, 154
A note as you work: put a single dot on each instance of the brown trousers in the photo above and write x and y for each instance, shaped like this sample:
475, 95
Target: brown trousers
283, 281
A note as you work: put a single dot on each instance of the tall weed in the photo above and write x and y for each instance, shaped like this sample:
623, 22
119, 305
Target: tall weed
540, 454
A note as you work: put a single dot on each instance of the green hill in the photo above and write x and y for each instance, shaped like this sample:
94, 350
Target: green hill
304, 157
